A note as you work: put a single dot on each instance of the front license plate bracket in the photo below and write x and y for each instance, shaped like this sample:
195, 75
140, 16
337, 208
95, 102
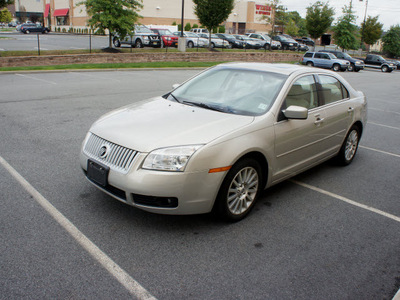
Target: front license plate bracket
98, 173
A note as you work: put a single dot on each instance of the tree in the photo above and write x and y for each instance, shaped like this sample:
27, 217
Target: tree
114, 15
344, 32
299, 21
5, 16
291, 28
5, 3
278, 16
371, 30
211, 13
391, 41
319, 18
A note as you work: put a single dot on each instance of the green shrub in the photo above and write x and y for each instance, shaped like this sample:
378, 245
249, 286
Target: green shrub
188, 27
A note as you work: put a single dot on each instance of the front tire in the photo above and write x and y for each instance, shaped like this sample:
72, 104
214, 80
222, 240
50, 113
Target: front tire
190, 44
336, 67
350, 145
138, 44
239, 190
385, 69
116, 42
350, 68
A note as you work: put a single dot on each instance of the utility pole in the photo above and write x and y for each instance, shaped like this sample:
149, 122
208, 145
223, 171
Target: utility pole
363, 25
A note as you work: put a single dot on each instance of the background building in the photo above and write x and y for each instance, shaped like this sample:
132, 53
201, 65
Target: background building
247, 15
27, 10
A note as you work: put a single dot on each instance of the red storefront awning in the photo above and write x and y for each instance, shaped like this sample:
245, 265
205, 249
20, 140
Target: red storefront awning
46, 10
61, 12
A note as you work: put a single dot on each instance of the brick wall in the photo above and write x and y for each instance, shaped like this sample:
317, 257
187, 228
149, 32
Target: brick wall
147, 57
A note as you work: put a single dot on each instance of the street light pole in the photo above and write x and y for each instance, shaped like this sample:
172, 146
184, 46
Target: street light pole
183, 10
363, 25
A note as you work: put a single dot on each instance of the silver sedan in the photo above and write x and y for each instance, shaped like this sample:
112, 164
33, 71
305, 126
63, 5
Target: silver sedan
219, 139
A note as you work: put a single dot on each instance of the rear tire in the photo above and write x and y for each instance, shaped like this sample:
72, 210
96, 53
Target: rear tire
239, 191
310, 64
349, 148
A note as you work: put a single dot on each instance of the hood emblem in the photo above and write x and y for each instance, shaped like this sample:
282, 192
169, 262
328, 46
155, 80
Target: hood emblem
103, 152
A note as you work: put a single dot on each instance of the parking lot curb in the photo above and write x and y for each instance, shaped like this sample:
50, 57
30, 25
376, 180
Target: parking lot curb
100, 70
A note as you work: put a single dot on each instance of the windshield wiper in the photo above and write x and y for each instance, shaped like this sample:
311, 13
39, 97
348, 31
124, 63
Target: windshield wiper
206, 106
176, 99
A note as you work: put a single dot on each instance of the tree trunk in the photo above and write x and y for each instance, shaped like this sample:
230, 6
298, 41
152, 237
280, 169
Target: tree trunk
109, 39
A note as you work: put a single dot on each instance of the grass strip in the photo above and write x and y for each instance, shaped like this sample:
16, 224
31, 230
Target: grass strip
165, 64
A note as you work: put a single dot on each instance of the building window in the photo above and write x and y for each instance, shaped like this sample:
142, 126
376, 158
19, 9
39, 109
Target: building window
62, 21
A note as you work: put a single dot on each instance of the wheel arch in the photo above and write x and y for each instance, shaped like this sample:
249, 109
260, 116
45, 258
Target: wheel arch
360, 126
261, 159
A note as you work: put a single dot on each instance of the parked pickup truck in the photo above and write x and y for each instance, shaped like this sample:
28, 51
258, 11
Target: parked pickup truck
378, 62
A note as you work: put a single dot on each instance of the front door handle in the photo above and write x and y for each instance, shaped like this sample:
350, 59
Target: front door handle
350, 110
318, 121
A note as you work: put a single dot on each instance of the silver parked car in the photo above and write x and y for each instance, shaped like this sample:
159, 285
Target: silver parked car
216, 42
194, 150
192, 39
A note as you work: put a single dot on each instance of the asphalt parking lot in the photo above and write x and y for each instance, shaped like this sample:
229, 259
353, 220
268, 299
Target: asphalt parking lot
330, 233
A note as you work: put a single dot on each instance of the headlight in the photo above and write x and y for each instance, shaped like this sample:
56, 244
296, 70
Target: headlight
290, 44
146, 38
167, 38
170, 159
358, 63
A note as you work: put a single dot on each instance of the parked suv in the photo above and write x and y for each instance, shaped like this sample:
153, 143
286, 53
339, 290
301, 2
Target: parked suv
142, 36
325, 60
307, 41
286, 42
355, 64
167, 38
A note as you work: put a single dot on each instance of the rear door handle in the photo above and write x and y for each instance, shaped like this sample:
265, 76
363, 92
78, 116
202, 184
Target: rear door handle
351, 109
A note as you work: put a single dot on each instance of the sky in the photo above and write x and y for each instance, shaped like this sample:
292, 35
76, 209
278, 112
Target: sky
388, 10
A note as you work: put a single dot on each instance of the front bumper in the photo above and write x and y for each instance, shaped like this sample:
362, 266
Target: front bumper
177, 193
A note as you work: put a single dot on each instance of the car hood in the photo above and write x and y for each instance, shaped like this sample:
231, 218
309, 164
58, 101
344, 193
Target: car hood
158, 123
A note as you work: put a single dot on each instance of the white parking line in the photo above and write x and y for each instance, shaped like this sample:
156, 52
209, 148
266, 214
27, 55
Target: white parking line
377, 109
93, 76
34, 78
387, 126
380, 151
366, 207
119, 274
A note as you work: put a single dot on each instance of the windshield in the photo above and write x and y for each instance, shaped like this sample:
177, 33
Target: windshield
229, 36
143, 29
267, 37
345, 55
236, 91
332, 55
191, 34
164, 31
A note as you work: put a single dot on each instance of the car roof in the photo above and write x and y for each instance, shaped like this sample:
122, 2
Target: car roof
281, 68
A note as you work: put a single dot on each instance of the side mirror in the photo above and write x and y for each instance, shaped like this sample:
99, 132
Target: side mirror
296, 112
176, 85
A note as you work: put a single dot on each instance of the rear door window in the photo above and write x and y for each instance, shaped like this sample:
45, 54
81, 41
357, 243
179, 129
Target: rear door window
332, 90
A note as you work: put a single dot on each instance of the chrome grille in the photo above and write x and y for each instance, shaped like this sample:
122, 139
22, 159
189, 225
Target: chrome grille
118, 158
